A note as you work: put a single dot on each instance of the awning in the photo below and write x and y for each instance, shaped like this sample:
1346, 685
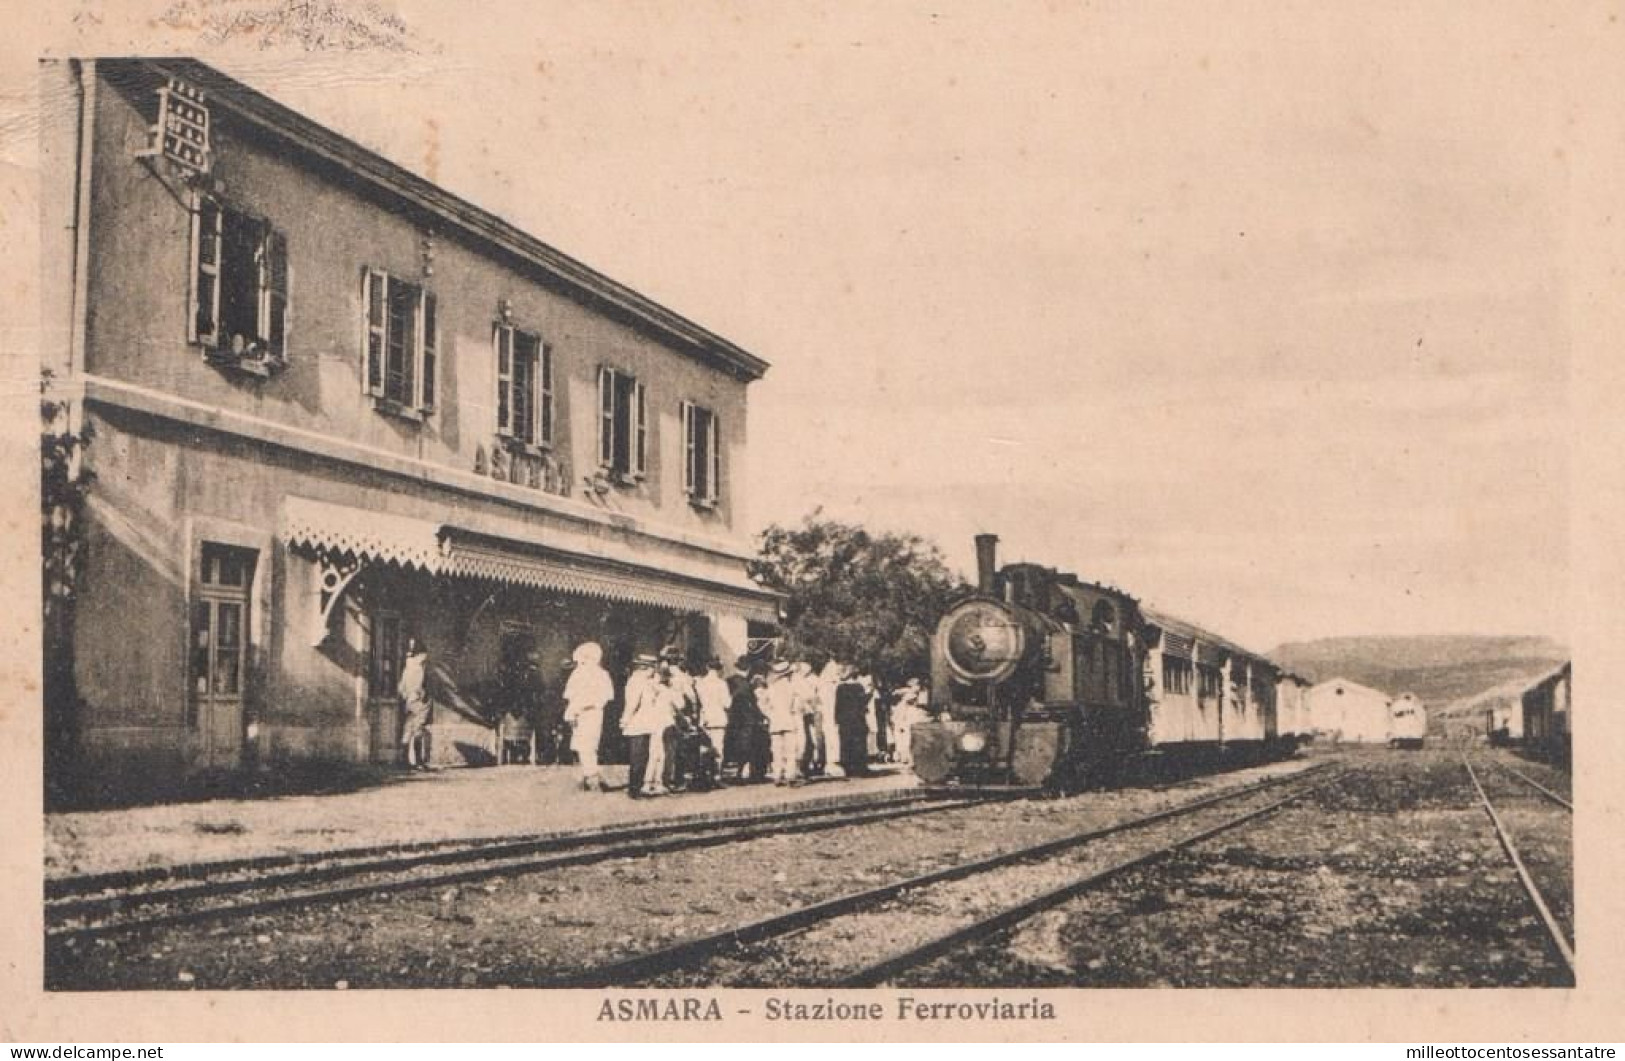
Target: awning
446, 549
476, 555
374, 537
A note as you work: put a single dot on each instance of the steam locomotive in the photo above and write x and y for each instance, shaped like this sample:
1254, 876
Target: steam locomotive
1044, 679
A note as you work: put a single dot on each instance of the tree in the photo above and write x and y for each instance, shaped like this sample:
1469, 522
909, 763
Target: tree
64, 482
871, 599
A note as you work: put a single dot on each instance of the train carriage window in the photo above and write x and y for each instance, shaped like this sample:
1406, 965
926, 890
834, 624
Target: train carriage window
1208, 682
1176, 675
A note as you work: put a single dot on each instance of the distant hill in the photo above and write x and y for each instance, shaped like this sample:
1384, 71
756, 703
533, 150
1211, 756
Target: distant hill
1444, 670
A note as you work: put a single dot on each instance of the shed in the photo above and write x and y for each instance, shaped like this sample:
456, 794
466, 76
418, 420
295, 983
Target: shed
1342, 710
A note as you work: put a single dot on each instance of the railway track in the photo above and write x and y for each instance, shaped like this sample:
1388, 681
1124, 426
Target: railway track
1561, 946
1536, 785
92, 908
682, 958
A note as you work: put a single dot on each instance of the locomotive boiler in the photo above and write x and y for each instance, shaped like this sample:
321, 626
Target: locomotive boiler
1044, 679
1038, 678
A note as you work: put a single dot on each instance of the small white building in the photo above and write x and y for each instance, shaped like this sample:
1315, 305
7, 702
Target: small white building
1341, 710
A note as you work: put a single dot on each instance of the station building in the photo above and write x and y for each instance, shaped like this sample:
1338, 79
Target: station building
331, 406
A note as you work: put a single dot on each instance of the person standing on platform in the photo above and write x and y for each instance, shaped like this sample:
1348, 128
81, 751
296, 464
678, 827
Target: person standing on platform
675, 774
664, 704
749, 742
828, 678
785, 723
906, 711
413, 689
586, 694
874, 717
852, 723
812, 757
714, 701
637, 717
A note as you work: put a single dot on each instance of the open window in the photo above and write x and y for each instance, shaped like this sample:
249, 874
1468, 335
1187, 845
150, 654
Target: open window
401, 341
702, 448
239, 297
524, 387
623, 426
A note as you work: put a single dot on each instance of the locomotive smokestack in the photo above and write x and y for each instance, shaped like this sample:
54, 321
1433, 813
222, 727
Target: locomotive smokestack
986, 561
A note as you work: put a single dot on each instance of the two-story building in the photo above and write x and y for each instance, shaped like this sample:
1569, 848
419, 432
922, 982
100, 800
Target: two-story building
331, 407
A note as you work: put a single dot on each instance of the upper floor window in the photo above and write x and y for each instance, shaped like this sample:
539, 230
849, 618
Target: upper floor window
702, 448
400, 342
524, 387
239, 287
623, 425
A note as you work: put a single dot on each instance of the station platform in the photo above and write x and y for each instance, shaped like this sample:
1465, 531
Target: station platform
402, 808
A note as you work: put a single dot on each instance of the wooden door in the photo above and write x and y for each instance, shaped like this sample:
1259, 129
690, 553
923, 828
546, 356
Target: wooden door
220, 626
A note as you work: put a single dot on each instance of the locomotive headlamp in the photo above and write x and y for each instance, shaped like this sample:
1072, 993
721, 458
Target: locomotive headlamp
972, 742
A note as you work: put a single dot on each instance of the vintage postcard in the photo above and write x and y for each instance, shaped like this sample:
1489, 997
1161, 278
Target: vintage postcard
814, 521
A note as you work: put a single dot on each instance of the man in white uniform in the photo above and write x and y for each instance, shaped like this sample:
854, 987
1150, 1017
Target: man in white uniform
714, 700
586, 694
785, 721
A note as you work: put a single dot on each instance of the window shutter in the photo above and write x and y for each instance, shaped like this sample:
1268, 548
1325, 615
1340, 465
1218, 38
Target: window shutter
276, 297
690, 450
206, 243
606, 419
430, 350
546, 382
640, 452
714, 487
503, 337
374, 294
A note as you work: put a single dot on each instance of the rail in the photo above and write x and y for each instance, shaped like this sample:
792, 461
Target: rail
882, 971
1537, 786
667, 959
387, 876
1554, 931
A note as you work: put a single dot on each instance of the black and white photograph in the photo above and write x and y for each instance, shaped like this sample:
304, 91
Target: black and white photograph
692, 513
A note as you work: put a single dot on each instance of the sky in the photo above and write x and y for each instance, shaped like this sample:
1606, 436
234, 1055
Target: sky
1260, 313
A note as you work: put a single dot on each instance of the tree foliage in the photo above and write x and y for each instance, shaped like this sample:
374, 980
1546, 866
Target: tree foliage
63, 486
64, 482
871, 599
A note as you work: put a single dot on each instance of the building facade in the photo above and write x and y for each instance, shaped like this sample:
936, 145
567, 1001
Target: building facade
1548, 714
1342, 710
332, 407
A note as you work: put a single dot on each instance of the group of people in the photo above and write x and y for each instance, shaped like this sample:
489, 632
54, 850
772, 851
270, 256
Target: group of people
777, 721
